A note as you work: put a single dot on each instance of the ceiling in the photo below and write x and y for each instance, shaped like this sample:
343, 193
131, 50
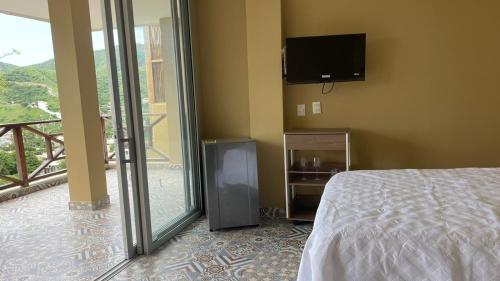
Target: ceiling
145, 11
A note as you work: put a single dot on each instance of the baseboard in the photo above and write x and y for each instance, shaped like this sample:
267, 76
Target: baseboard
89, 205
16, 192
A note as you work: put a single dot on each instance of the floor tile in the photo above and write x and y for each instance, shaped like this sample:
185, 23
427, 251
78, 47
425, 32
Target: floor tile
270, 251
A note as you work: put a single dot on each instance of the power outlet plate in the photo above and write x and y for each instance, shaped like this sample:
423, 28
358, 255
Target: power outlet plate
316, 107
301, 110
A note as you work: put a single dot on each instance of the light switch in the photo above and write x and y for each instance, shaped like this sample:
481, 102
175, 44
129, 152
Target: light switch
301, 110
316, 107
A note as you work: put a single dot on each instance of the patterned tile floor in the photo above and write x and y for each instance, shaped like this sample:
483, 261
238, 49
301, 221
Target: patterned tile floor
40, 239
270, 252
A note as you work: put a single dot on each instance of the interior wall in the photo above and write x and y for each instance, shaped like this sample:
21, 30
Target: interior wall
237, 46
266, 96
429, 100
221, 68
431, 95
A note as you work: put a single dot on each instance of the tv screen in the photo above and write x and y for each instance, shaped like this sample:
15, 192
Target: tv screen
320, 59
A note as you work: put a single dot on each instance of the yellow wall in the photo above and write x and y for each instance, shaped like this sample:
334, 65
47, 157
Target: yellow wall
430, 99
83, 142
238, 61
266, 95
431, 95
222, 71
161, 137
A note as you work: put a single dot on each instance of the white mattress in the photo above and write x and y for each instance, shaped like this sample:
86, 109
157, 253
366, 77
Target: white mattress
406, 225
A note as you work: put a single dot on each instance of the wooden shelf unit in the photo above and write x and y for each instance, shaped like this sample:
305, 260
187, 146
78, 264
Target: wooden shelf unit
302, 207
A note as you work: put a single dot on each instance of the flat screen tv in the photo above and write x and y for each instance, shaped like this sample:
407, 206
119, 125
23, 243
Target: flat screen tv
321, 59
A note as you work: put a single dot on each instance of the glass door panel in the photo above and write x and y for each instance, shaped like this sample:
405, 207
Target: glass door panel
158, 58
121, 116
161, 94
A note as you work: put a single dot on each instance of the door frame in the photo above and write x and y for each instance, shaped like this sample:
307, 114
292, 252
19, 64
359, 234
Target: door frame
130, 249
188, 115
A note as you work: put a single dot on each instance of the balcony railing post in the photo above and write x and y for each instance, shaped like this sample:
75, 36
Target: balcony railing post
22, 167
104, 139
48, 148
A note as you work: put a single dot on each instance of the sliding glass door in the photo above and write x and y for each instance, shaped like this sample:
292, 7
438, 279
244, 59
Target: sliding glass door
121, 111
154, 101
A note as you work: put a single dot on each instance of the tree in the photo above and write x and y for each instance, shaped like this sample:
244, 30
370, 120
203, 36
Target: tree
3, 83
62, 165
8, 166
32, 161
7, 163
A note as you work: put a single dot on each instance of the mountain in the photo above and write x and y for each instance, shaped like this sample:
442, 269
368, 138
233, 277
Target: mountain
27, 85
49, 65
33, 75
6, 67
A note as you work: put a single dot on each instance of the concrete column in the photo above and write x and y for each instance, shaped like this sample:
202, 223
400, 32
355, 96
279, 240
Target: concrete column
74, 58
265, 85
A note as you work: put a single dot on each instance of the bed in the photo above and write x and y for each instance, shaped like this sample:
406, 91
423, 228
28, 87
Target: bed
406, 225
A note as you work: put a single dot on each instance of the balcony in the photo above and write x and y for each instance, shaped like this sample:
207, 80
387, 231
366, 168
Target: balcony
40, 237
38, 149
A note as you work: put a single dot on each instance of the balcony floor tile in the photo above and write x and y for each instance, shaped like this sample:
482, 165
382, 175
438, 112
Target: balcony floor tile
41, 239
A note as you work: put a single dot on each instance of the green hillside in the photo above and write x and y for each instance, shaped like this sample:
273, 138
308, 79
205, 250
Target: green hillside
5, 67
21, 88
50, 65
17, 113
33, 75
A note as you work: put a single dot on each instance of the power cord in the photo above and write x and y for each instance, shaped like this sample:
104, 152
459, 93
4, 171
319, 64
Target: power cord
329, 90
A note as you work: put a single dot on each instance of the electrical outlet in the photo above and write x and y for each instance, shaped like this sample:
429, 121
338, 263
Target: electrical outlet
316, 107
301, 110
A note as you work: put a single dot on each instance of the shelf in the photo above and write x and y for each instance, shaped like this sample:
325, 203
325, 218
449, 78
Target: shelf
318, 131
309, 182
303, 215
326, 168
309, 179
304, 207
335, 141
333, 146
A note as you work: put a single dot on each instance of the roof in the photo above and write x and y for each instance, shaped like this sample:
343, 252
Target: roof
145, 11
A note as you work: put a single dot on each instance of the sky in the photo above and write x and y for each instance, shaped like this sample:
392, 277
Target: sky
34, 40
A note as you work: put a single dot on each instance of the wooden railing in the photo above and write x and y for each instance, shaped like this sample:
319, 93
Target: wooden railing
52, 145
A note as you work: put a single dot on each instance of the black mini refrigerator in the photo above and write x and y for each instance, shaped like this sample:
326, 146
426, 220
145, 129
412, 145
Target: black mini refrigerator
231, 182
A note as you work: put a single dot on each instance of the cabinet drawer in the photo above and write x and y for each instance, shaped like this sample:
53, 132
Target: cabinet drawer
316, 142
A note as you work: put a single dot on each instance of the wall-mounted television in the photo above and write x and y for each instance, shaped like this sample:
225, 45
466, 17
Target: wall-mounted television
321, 59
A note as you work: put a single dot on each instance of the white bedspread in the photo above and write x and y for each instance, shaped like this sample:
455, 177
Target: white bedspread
406, 225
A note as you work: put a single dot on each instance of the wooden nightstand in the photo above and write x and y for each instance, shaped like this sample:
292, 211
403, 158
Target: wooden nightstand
305, 183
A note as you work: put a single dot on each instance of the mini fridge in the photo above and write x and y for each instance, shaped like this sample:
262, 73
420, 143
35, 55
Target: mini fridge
231, 183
